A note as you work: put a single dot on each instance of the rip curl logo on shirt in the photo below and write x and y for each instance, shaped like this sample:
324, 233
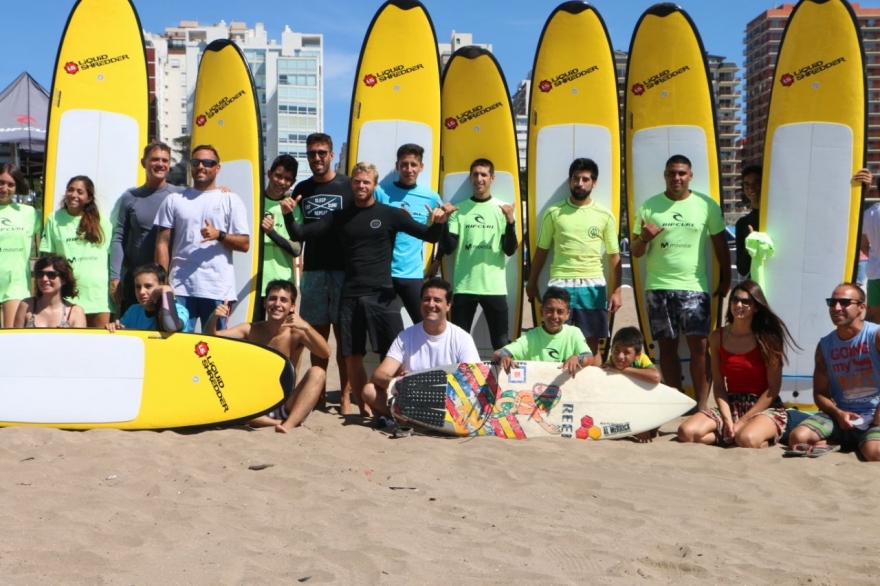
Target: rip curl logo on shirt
553, 353
6, 221
479, 219
376, 224
201, 349
677, 217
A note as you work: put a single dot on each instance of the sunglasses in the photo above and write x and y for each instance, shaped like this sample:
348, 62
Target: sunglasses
51, 275
747, 301
321, 153
844, 303
206, 163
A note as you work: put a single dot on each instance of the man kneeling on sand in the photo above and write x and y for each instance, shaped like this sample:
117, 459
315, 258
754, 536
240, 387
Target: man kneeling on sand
432, 342
285, 331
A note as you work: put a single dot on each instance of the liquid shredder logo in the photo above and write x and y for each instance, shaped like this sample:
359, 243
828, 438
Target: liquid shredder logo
213, 373
221, 105
788, 79
371, 79
641, 87
74, 67
202, 349
548, 84
454, 122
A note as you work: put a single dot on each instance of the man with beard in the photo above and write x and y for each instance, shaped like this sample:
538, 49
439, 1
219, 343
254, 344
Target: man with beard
577, 228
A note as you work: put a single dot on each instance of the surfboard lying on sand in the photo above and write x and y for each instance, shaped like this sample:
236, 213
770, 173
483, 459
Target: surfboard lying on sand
98, 114
136, 379
669, 110
537, 399
574, 113
226, 115
478, 123
810, 206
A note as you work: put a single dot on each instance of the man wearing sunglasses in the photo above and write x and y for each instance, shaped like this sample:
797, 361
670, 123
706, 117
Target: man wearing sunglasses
199, 230
323, 269
846, 386
134, 237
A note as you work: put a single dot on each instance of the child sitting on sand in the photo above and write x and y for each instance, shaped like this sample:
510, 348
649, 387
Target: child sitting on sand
157, 307
626, 357
554, 341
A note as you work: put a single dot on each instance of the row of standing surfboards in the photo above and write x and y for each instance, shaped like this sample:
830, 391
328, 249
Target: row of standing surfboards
99, 117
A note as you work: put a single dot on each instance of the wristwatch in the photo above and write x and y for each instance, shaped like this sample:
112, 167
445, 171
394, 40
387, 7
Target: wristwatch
221, 235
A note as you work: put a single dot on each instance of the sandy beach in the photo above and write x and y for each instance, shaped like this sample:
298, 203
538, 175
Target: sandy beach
342, 503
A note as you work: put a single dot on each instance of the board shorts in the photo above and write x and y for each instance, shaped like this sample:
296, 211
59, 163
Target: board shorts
827, 429
739, 406
319, 293
589, 305
873, 291
671, 311
377, 314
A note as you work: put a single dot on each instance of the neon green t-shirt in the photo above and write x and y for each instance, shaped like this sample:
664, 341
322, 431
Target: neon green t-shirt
479, 259
277, 262
90, 262
18, 225
537, 344
676, 258
577, 234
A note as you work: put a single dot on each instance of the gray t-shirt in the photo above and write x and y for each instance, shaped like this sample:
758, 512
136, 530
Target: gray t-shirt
134, 236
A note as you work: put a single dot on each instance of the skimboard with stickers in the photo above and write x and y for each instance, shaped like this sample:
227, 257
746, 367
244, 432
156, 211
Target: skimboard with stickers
537, 399
136, 379
396, 98
478, 123
574, 113
669, 110
814, 144
226, 115
98, 114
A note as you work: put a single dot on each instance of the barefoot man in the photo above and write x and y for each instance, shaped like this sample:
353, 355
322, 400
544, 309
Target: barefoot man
288, 333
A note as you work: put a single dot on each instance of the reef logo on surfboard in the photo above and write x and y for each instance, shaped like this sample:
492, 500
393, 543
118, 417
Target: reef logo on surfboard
371, 79
788, 79
221, 105
548, 84
74, 67
454, 122
658, 78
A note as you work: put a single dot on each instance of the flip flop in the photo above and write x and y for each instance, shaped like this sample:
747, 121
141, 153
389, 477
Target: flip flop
797, 451
817, 451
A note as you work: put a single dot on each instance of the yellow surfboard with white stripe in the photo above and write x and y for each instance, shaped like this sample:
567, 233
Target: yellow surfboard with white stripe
98, 114
669, 110
810, 206
226, 115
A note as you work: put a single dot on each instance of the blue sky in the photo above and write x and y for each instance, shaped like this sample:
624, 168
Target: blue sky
32, 30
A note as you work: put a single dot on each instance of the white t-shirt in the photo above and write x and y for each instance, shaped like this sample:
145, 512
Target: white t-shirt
416, 350
871, 228
202, 269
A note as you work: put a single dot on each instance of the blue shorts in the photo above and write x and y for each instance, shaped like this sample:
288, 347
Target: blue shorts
319, 296
671, 312
200, 308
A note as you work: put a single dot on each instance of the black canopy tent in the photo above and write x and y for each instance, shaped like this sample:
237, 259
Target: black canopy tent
24, 111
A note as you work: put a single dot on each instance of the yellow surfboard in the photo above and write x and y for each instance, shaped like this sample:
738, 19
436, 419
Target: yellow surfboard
669, 110
810, 206
478, 123
396, 95
136, 379
574, 113
98, 114
226, 115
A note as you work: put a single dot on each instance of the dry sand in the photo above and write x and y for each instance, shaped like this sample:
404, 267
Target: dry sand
345, 504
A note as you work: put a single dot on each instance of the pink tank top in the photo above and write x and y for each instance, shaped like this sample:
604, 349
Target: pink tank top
746, 374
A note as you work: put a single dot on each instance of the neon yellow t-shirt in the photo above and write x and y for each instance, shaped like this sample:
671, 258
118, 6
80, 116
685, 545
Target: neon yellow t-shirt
90, 262
277, 262
18, 224
479, 259
676, 258
537, 344
577, 234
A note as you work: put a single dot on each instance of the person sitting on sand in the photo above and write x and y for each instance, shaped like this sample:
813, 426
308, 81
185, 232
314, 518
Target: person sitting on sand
626, 357
285, 331
845, 384
156, 308
747, 357
50, 307
554, 341
430, 343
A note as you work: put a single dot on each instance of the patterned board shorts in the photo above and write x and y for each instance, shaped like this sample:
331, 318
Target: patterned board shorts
589, 301
827, 429
739, 406
319, 294
671, 311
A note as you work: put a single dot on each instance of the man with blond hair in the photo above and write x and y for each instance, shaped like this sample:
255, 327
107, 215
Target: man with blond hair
367, 231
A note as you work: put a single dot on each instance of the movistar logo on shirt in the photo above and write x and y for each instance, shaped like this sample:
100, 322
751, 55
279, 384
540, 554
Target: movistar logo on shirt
20, 249
674, 245
484, 246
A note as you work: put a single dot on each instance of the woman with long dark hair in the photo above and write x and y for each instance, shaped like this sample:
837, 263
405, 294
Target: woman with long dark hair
78, 233
50, 307
747, 358
18, 225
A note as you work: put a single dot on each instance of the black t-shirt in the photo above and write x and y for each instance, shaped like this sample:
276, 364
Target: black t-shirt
319, 199
366, 236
